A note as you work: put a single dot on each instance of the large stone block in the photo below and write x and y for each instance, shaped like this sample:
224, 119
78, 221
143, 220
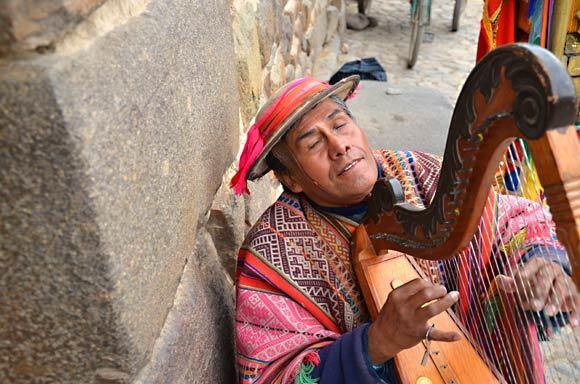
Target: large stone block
35, 25
574, 66
204, 352
264, 192
576, 81
278, 69
227, 224
231, 217
292, 8
333, 20
249, 50
57, 323
572, 44
317, 30
111, 151
268, 13
341, 6
285, 34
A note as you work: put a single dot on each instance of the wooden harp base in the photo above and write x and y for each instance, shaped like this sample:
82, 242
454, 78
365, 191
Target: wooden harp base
449, 363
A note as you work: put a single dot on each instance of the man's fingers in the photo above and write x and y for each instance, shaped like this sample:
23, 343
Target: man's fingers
426, 295
505, 283
439, 306
413, 286
563, 297
541, 286
523, 292
529, 269
573, 318
439, 335
531, 290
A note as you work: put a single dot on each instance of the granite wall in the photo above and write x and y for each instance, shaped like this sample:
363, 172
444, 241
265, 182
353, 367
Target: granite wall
120, 122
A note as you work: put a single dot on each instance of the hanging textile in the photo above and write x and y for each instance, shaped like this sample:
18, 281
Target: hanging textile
501, 24
508, 21
536, 17
498, 25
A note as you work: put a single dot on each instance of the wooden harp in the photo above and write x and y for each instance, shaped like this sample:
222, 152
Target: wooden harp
516, 92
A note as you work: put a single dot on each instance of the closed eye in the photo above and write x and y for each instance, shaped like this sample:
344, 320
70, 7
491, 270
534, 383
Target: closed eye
311, 146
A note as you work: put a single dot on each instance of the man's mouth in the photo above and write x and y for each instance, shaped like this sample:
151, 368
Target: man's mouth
349, 166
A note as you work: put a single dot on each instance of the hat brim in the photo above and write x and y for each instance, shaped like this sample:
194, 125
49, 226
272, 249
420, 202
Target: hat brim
343, 89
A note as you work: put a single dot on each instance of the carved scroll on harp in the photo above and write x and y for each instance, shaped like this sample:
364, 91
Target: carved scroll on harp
517, 91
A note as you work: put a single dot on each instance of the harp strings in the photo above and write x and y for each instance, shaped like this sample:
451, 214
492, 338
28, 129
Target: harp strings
570, 344
506, 335
529, 191
559, 255
503, 348
453, 268
510, 264
520, 177
506, 340
482, 332
515, 250
506, 348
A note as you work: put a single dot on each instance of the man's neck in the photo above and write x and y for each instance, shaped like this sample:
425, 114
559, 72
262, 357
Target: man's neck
354, 212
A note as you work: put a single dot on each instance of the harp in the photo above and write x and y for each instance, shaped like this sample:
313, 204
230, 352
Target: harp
516, 107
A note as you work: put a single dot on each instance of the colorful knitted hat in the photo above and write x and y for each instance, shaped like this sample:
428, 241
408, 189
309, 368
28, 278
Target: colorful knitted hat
277, 116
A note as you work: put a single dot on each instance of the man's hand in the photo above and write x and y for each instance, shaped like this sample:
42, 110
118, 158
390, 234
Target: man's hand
402, 322
542, 284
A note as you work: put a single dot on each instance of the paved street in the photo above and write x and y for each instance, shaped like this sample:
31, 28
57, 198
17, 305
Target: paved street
412, 101
443, 63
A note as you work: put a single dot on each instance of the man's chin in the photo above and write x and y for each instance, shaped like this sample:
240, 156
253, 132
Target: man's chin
360, 186
355, 195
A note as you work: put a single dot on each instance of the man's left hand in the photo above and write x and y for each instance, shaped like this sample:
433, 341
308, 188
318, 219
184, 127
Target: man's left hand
542, 284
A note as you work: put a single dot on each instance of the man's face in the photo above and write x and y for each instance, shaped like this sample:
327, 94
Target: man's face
336, 165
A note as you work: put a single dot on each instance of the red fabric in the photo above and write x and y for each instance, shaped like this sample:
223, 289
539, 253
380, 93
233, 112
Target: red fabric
498, 26
282, 285
486, 227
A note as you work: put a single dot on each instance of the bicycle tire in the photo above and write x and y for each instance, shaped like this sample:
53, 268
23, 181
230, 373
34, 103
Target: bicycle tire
456, 15
417, 30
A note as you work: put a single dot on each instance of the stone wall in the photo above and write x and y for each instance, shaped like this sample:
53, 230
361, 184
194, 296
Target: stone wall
35, 26
120, 122
275, 42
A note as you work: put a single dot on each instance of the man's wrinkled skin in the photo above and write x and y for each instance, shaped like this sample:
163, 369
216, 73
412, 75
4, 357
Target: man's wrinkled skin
333, 162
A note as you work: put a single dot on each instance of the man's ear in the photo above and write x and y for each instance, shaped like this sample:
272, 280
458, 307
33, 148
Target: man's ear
289, 181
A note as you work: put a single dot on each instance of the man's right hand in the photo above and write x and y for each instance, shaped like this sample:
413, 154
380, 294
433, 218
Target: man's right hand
402, 322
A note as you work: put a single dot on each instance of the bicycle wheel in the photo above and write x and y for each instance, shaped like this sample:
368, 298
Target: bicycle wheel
457, 10
417, 30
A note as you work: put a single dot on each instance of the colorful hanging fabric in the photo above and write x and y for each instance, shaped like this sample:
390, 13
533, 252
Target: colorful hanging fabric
550, 19
498, 25
536, 17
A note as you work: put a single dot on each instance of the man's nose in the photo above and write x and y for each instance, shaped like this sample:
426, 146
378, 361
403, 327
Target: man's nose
337, 146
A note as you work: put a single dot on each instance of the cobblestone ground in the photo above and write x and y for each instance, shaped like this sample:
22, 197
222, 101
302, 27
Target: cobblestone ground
445, 60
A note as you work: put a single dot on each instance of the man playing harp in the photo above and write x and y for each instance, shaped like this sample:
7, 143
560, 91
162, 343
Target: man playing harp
300, 316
